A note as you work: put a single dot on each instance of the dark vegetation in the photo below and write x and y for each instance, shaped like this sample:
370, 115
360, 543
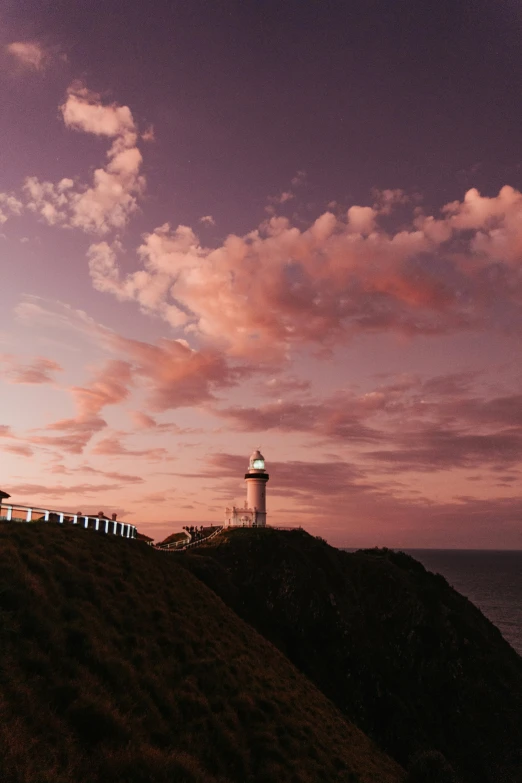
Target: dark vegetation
431, 767
403, 655
117, 665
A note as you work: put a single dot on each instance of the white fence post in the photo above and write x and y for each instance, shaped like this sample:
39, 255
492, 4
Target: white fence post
10, 512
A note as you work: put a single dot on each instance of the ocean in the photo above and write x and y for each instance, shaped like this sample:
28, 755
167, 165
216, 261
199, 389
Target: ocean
492, 580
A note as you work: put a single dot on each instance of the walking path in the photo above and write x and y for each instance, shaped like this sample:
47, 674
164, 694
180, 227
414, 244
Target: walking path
190, 544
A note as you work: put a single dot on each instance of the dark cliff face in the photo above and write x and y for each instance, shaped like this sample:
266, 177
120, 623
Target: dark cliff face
407, 658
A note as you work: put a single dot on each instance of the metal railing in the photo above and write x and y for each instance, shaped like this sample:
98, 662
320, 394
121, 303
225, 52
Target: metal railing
174, 544
191, 544
11, 512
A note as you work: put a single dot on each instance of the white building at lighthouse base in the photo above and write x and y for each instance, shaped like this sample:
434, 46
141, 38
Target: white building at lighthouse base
241, 516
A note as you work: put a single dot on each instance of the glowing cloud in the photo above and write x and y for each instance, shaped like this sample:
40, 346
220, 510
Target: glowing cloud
259, 294
107, 204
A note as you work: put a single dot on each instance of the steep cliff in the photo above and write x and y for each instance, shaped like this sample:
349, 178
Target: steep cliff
408, 659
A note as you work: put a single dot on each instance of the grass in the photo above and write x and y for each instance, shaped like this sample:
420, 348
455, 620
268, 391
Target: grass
117, 664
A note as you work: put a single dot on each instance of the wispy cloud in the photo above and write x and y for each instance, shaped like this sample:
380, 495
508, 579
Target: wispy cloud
207, 220
9, 206
113, 446
30, 54
39, 370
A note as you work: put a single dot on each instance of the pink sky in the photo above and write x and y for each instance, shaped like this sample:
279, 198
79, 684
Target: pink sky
371, 350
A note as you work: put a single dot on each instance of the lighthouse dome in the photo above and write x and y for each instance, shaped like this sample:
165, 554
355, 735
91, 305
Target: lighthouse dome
257, 461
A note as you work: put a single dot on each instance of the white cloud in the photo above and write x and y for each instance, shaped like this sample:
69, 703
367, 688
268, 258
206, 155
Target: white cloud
48, 199
84, 111
9, 205
108, 202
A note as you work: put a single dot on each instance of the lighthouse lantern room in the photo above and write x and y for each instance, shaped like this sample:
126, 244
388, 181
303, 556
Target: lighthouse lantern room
253, 514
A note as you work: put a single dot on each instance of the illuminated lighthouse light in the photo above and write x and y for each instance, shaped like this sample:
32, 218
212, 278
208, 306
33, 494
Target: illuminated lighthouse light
253, 514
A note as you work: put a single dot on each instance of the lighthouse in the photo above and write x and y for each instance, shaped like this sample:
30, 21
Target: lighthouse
256, 478
253, 514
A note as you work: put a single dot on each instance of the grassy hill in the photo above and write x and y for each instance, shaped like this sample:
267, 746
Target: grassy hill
119, 665
408, 659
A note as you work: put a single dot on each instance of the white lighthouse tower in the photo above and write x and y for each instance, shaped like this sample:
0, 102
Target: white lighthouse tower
254, 512
256, 478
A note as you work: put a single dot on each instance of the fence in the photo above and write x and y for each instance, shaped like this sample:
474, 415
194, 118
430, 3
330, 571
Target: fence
16, 513
184, 547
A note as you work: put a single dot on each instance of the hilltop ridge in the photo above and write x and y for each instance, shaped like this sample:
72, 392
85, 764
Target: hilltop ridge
118, 665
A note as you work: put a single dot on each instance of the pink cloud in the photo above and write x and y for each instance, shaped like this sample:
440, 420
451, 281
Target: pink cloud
435, 448
9, 206
109, 386
259, 294
281, 386
122, 478
143, 421
29, 54
19, 449
59, 490
40, 370
419, 425
174, 374
113, 446
332, 418
74, 441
